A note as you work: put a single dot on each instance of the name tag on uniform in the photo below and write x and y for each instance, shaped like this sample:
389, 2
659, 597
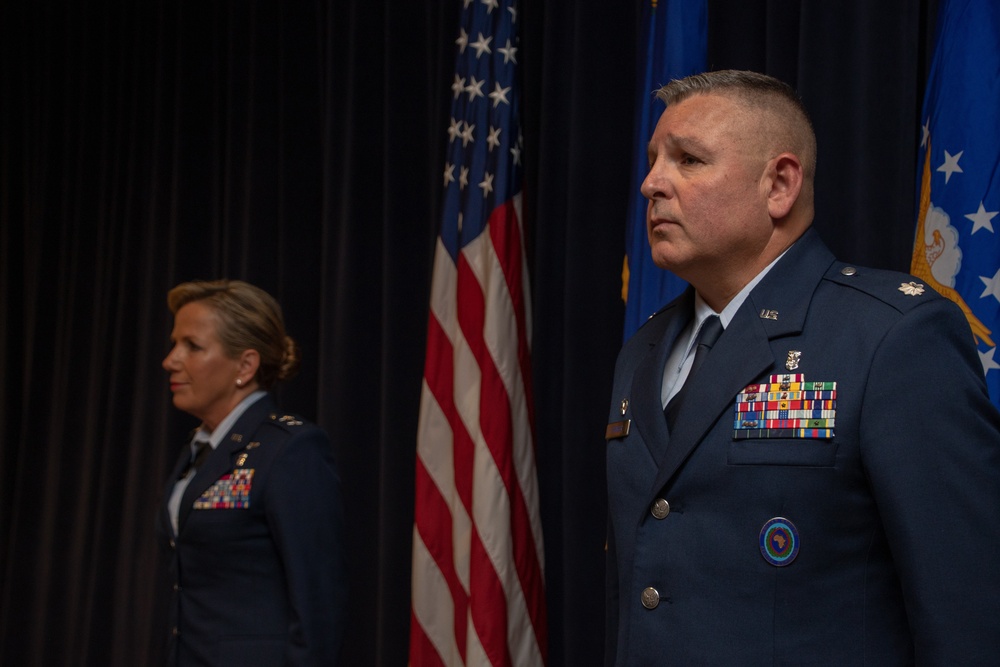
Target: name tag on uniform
617, 429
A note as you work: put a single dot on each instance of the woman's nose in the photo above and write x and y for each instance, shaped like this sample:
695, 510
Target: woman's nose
169, 362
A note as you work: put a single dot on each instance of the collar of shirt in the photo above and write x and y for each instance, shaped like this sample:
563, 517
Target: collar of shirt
216, 436
679, 362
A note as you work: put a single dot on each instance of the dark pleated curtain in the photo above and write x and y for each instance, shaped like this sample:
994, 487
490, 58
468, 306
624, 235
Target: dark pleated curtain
299, 145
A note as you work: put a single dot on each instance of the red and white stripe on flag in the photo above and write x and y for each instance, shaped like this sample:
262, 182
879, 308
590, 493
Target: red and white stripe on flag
478, 595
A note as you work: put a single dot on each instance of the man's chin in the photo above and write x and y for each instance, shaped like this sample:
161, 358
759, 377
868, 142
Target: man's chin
664, 255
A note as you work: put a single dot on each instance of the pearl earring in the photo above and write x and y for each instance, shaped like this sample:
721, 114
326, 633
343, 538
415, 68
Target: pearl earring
239, 382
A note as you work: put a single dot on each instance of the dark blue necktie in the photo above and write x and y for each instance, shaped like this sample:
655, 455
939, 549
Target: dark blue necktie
709, 333
202, 448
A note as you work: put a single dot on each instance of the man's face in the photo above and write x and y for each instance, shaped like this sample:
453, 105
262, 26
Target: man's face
707, 214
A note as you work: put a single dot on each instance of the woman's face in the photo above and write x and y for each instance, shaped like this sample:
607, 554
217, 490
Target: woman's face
202, 376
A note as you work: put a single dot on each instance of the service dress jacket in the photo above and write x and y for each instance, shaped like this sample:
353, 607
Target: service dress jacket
874, 540
258, 561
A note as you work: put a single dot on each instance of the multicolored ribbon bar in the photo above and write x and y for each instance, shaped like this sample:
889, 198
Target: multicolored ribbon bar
787, 406
787, 414
231, 491
766, 397
784, 423
764, 433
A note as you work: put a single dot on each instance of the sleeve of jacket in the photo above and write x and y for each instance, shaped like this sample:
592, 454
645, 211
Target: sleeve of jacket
306, 518
931, 448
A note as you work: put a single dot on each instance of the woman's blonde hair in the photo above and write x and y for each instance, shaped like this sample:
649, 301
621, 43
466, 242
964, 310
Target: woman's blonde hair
249, 319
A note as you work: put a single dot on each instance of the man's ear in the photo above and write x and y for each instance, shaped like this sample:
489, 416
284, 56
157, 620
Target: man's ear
785, 177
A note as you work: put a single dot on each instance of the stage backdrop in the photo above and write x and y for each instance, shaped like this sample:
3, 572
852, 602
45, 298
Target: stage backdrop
300, 146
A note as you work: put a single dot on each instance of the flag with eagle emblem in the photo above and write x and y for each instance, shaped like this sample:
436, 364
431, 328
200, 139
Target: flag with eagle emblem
957, 246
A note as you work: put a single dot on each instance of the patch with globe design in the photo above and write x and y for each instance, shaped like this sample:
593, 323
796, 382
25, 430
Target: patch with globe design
779, 541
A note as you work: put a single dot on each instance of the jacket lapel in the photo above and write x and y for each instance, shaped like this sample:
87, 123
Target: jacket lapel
647, 410
168, 490
743, 352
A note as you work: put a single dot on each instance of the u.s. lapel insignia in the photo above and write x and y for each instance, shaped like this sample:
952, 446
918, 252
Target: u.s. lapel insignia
911, 288
792, 360
767, 314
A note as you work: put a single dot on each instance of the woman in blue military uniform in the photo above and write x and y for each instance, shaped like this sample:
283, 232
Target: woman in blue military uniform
253, 518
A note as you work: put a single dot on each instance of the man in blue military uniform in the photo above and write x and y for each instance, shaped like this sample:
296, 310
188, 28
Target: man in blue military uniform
803, 462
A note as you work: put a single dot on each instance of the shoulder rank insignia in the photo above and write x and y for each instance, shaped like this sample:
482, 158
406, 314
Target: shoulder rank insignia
290, 420
911, 288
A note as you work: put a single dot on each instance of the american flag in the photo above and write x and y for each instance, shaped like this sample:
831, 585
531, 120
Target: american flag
478, 594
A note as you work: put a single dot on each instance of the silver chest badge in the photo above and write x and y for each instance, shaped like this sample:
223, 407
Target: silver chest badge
792, 360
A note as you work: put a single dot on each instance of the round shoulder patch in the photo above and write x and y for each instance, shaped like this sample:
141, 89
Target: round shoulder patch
779, 541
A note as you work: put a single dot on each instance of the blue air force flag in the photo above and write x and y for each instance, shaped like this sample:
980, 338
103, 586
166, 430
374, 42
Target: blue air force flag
676, 37
957, 244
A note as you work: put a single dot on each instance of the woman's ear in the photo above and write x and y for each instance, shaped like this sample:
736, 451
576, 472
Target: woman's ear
249, 362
